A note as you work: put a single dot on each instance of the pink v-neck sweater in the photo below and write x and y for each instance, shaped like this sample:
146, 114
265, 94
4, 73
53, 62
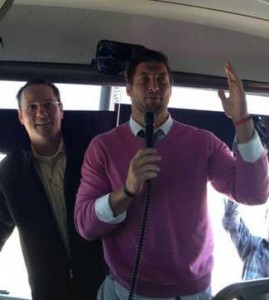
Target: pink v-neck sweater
177, 258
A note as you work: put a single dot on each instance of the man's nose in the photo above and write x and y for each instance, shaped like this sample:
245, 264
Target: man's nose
41, 110
153, 85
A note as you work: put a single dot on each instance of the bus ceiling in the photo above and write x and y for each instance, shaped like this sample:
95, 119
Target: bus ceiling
198, 36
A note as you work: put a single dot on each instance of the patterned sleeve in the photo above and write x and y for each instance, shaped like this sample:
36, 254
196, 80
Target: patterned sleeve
243, 240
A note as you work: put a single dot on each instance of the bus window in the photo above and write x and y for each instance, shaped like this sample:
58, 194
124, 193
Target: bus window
199, 99
73, 96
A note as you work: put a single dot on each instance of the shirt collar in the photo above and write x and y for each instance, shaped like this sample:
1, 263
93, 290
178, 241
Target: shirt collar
60, 150
165, 127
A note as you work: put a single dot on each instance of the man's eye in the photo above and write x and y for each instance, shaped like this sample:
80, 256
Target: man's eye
144, 79
48, 105
162, 79
32, 106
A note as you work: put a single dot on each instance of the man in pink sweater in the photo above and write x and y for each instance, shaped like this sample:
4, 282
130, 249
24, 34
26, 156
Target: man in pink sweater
177, 257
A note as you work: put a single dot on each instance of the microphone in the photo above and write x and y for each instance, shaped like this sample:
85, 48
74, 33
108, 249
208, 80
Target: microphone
149, 128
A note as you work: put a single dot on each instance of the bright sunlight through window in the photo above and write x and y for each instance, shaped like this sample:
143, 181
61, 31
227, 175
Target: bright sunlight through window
203, 99
73, 96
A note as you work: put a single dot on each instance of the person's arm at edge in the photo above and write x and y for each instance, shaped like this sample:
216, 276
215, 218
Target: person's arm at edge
241, 237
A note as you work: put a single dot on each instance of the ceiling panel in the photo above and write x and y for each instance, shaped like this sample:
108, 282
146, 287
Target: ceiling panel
254, 8
197, 39
247, 16
250, 8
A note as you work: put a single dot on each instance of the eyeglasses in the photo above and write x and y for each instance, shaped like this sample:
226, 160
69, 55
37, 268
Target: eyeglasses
34, 106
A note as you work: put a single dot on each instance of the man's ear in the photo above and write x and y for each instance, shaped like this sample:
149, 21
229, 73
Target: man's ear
61, 109
129, 89
20, 116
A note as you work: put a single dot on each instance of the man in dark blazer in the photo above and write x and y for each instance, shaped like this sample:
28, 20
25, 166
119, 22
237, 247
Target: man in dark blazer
38, 184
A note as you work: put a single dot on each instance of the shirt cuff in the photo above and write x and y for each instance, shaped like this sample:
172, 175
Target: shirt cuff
252, 150
104, 212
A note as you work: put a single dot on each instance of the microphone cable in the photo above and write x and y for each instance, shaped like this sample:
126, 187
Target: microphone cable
149, 128
141, 241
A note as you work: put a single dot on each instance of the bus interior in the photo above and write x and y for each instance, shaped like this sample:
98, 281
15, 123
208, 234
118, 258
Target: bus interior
62, 41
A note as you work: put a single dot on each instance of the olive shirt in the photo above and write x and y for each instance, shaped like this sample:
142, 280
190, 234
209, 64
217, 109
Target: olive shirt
51, 172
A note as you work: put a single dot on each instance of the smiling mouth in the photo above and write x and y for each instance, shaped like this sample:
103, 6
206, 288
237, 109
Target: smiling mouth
43, 124
153, 97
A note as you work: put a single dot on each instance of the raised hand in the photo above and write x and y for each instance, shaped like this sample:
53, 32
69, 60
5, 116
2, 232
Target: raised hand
235, 105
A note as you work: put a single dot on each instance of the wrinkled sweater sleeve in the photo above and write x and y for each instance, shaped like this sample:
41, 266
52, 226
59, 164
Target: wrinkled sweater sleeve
94, 184
245, 182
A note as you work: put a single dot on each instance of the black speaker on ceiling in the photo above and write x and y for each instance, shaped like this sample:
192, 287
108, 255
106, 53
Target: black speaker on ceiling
112, 57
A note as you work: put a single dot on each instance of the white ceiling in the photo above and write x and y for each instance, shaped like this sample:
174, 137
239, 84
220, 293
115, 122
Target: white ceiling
247, 16
197, 35
257, 8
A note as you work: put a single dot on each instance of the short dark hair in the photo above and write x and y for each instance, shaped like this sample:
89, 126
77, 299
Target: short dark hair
146, 55
38, 81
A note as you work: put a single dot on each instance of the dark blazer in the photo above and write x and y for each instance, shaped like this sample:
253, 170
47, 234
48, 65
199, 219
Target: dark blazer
23, 203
